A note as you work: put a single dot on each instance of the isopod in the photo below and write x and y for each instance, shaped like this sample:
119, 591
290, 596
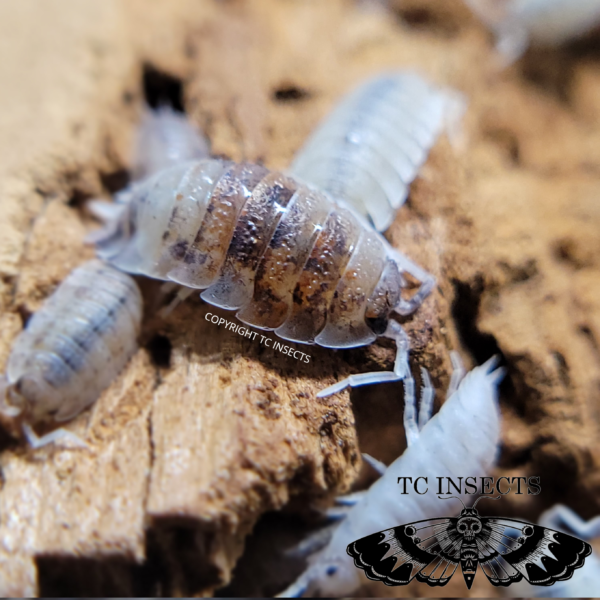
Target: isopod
462, 439
165, 138
371, 147
72, 348
519, 23
585, 582
287, 257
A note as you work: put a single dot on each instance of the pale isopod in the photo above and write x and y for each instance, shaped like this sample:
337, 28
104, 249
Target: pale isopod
165, 138
460, 440
370, 148
287, 257
72, 348
585, 582
518, 23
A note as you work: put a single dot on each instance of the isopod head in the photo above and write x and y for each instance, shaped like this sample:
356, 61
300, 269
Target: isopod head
29, 396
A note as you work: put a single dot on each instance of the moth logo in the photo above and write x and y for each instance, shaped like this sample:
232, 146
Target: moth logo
507, 551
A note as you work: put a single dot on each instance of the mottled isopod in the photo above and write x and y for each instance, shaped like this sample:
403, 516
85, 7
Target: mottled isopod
460, 440
72, 348
370, 148
287, 257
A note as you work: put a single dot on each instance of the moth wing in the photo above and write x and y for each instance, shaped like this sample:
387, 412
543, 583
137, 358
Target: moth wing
428, 550
492, 543
512, 550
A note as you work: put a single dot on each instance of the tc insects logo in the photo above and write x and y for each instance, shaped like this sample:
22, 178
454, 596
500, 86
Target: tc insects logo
507, 551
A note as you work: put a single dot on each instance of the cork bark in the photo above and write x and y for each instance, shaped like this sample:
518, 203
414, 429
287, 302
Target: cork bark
206, 431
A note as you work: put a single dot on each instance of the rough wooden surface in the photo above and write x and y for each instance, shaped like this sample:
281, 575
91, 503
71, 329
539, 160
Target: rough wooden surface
206, 431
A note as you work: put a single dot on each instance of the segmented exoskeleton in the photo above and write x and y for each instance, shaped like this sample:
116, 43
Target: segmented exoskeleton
460, 440
519, 23
165, 138
287, 257
370, 148
72, 348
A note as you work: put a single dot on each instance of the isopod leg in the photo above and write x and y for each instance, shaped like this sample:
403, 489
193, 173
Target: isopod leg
395, 332
427, 397
427, 281
560, 516
349, 500
107, 212
358, 380
377, 465
401, 368
182, 294
51, 438
312, 543
411, 427
297, 589
337, 513
458, 373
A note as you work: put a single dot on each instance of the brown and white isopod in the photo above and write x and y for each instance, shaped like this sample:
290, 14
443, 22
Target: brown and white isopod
285, 256
72, 348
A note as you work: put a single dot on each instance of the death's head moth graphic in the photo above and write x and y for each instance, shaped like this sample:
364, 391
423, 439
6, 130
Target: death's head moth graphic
507, 550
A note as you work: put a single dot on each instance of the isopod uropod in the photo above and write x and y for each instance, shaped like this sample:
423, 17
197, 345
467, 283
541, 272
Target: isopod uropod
165, 138
72, 348
519, 23
460, 440
370, 148
287, 257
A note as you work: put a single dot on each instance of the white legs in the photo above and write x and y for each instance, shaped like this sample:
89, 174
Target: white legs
427, 398
183, 293
458, 373
51, 438
401, 368
412, 423
394, 331
561, 517
312, 543
375, 464
407, 307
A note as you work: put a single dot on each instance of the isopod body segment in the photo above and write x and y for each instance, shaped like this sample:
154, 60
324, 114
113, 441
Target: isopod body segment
74, 346
372, 145
285, 256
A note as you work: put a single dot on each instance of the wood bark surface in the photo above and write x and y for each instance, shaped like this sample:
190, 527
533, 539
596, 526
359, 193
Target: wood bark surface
205, 431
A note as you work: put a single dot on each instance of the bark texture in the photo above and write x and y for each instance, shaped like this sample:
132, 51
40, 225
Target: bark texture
205, 431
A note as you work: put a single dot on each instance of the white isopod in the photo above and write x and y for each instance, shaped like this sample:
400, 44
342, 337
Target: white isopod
585, 582
460, 440
72, 348
287, 257
165, 138
370, 148
519, 23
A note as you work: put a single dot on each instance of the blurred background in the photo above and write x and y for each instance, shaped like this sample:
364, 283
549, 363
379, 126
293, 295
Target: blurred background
206, 438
